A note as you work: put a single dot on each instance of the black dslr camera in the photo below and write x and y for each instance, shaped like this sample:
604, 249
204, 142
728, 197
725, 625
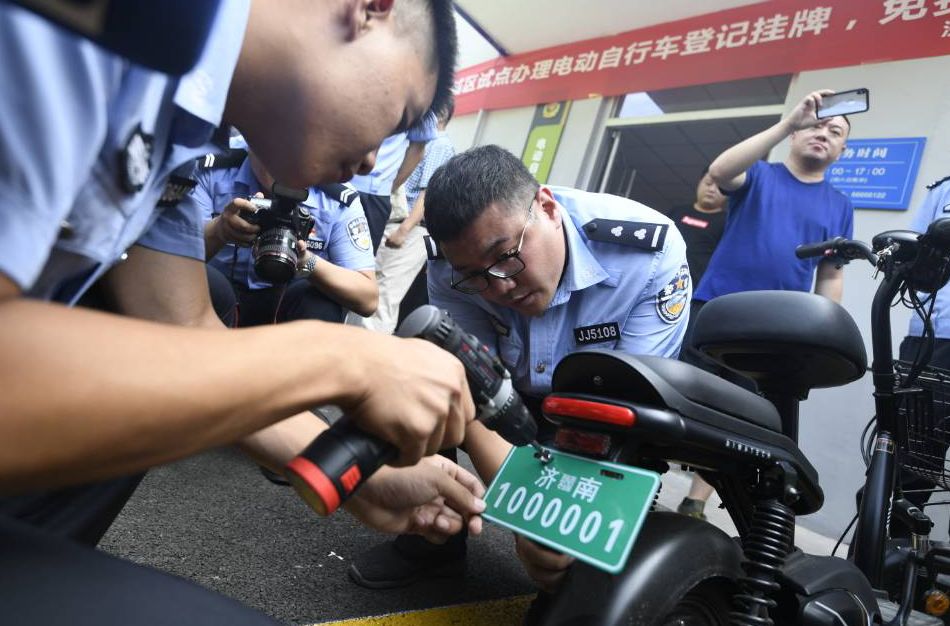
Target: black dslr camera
283, 221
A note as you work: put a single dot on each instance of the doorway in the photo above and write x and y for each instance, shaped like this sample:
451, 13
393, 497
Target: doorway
659, 143
659, 164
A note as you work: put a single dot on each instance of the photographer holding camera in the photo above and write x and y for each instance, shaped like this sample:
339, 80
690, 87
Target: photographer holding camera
95, 153
331, 252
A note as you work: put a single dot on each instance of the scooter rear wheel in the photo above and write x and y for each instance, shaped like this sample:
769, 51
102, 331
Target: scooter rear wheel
706, 604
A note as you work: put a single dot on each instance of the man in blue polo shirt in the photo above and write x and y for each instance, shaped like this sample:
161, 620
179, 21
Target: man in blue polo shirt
95, 156
775, 207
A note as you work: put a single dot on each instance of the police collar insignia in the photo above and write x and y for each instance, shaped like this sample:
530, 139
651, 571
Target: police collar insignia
597, 333
358, 230
671, 301
135, 160
432, 248
499, 327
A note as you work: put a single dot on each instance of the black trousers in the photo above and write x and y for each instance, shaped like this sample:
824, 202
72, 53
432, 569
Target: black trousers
45, 579
377, 210
239, 306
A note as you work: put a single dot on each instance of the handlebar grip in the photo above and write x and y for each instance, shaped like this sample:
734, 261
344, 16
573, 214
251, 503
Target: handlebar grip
334, 465
938, 233
808, 250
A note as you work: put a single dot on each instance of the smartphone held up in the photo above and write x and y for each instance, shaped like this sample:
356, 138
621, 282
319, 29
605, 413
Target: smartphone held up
843, 103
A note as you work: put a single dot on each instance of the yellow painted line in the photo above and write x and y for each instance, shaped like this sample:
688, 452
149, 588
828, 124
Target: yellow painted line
494, 613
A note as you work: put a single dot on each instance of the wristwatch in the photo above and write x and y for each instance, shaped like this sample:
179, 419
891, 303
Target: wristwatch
308, 267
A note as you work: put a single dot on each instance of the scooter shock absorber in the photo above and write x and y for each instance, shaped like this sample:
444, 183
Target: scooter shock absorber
766, 545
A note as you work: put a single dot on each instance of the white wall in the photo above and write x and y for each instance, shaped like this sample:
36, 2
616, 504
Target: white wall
579, 142
461, 130
509, 128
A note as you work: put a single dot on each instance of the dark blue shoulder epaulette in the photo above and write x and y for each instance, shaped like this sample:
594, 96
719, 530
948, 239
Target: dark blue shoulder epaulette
341, 193
937, 183
223, 160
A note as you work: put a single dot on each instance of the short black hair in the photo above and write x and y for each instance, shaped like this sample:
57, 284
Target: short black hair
443, 56
464, 187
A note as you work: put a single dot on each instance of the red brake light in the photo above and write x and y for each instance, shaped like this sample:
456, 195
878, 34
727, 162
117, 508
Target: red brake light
596, 444
591, 411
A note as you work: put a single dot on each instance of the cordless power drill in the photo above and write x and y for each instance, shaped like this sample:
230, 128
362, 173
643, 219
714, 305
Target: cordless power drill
331, 468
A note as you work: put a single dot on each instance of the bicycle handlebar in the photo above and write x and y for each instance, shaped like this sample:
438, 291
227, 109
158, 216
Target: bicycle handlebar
938, 234
822, 248
837, 248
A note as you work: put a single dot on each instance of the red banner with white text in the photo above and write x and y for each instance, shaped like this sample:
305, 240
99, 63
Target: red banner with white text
764, 39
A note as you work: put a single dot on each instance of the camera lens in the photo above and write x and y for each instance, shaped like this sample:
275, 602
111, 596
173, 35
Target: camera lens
275, 254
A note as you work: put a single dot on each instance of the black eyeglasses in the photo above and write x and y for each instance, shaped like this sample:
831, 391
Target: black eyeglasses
508, 266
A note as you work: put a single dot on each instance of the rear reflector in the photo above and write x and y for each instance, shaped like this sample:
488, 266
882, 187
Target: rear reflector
591, 411
595, 444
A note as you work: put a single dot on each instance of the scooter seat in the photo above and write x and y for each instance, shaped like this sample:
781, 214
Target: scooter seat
787, 341
680, 386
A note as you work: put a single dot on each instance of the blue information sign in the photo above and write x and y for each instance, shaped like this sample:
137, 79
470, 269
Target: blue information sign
878, 173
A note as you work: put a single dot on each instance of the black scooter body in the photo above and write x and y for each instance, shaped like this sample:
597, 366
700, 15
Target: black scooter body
790, 344
672, 552
675, 552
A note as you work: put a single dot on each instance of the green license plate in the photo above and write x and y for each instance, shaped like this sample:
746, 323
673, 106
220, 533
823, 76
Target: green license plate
589, 509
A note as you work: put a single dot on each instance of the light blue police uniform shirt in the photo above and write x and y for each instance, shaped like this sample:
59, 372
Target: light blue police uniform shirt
340, 234
936, 204
644, 293
389, 157
67, 114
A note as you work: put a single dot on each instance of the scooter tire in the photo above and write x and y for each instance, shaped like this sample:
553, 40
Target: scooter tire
678, 564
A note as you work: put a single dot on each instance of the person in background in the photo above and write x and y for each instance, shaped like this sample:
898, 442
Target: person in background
774, 207
701, 225
335, 262
403, 252
396, 158
935, 205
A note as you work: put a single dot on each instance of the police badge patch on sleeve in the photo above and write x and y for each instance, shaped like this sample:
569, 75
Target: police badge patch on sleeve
672, 299
358, 230
135, 160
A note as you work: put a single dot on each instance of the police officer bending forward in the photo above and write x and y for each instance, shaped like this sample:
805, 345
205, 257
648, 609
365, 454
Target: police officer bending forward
538, 272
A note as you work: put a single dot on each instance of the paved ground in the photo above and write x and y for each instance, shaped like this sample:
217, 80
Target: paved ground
216, 520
